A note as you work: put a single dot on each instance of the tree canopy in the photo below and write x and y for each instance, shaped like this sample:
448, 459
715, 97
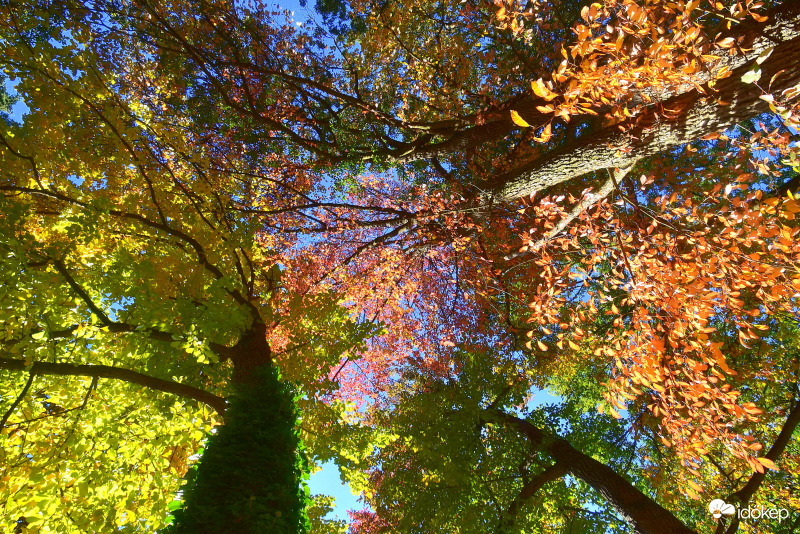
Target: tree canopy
234, 247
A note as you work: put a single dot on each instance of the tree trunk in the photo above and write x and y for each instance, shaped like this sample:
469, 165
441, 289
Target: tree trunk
249, 479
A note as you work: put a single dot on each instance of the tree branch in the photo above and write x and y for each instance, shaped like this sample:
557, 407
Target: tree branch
744, 494
16, 402
644, 515
528, 490
76, 287
116, 373
695, 115
588, 200
116, 326
198, 249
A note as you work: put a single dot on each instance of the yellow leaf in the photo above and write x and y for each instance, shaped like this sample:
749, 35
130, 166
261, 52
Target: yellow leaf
541, 90
541, 345
519, 121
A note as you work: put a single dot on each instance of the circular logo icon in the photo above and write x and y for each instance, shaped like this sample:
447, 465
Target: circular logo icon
718, 507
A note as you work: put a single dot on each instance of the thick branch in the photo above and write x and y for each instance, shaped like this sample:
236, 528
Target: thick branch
645, 515
126, 375
679, 120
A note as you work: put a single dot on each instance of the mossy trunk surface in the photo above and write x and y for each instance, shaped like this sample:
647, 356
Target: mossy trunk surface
249, 479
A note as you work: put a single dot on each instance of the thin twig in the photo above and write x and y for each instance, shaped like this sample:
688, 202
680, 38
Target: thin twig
16, 402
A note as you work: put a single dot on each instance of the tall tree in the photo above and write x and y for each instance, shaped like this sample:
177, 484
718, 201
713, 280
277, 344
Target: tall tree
198, 137
129, 261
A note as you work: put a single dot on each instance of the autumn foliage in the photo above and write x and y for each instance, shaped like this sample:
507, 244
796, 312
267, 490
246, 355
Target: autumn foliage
420, 224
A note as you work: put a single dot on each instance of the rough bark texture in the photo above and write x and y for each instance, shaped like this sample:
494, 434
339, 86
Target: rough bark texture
107, 371
679, 120
250, 353
644, 514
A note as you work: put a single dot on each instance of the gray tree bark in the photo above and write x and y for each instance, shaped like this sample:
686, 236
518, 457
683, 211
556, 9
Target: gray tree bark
679, 120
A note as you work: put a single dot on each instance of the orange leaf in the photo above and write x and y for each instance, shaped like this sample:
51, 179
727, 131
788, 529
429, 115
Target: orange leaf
766, 462
541, 345
694, 485
726, 43
546, 134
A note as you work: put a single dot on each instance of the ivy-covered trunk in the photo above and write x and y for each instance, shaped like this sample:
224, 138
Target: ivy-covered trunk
250, 477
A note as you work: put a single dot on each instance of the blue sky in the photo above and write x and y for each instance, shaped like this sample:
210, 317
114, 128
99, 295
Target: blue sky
327, 482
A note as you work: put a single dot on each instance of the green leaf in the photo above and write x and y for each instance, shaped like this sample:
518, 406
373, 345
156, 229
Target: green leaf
752, 76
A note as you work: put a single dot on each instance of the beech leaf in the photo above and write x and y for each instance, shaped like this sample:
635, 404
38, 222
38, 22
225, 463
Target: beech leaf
519, 121
766, 462
752, 76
